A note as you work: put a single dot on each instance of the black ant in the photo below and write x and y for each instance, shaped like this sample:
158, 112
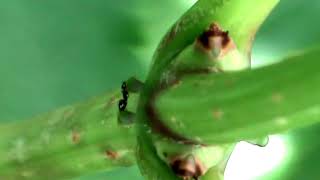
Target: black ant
125, 96
132, 85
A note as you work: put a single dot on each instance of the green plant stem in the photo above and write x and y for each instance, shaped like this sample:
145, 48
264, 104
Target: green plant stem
241, 18
68, 142
230, 107
87, 137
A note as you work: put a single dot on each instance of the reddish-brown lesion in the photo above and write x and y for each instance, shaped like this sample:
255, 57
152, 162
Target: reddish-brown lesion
277, 98
110, 154
75, 137
215, 39
217, 114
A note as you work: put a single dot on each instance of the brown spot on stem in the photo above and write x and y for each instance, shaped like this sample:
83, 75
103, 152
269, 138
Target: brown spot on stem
277, 98
111, 154
177, 84
217, 114
75, 137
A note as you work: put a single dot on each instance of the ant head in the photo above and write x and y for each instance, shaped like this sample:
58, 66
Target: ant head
124, 86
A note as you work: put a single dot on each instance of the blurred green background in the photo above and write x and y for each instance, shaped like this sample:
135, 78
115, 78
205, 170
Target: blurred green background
54, 53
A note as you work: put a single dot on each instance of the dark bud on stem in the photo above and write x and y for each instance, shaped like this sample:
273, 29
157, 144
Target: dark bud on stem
187, 168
